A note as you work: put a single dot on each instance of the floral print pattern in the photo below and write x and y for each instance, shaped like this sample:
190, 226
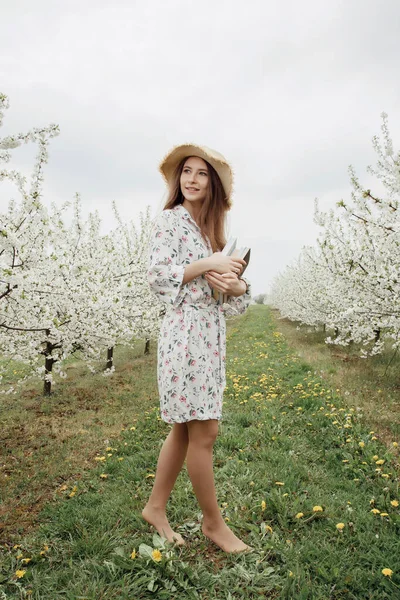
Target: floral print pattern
192, 340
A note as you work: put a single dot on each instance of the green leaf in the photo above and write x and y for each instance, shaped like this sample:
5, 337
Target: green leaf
152, 587
159, 542
145, 550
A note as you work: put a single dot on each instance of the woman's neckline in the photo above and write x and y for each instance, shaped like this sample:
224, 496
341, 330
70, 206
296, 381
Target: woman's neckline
186, 210
191, 219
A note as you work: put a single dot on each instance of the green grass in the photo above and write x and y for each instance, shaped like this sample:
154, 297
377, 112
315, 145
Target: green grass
282, 425
372, 385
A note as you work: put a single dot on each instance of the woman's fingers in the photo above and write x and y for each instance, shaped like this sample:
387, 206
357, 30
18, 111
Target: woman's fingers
217, 281
219, 275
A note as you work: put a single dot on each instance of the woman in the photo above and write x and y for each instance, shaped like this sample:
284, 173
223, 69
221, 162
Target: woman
185, 265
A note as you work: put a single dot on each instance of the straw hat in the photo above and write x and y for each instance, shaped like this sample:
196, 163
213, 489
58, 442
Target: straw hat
216, 160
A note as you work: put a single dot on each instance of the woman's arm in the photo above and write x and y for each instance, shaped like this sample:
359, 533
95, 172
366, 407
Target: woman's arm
195, 269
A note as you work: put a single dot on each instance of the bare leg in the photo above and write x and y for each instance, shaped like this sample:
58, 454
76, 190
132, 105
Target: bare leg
199, 460
170, 462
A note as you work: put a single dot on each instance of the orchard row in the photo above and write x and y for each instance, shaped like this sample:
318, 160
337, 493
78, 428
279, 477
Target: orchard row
65, 287
350, 282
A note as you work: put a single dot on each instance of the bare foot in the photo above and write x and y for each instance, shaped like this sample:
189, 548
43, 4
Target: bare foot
224, 537
159, 520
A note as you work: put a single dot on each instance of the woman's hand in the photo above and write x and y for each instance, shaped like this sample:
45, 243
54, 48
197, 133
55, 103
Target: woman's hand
220, 263
227, 283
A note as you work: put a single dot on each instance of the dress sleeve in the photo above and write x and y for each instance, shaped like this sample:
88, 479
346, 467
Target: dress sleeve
164, 272
239, 304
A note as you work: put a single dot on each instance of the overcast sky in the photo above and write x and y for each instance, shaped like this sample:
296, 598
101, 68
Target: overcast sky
290, 92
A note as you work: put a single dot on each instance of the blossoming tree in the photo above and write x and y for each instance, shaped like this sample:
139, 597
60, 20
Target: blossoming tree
64, 287
351, 281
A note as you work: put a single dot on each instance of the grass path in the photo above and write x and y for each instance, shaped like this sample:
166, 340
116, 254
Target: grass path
292, 462
371, 384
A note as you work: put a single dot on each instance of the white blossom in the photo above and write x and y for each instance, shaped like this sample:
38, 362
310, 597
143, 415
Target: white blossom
350, 282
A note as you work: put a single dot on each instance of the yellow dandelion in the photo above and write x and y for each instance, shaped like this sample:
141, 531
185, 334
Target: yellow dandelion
387, 572
121, 458
104, 476
376, 511
156, 555
268, 528
20, 555
26, 560
100, 458
299, 515
108, 449
149, 475
395, 444
375, 457
317, 509
290, 573
361, 444
384, 514
263, 505
340, 526
380, 462
71, 494
279, 483
394, 503
20, 573
133, 555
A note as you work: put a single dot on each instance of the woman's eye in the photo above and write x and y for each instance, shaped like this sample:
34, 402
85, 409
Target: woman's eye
188, 171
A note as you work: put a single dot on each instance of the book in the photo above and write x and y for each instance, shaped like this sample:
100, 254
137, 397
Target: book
230, 249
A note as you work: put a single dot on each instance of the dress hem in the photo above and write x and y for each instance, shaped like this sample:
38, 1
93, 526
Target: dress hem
193, 419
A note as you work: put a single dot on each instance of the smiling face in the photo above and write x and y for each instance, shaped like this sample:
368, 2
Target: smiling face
194, 180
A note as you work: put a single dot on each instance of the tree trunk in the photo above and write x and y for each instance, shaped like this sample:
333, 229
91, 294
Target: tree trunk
48, 365
377, 334
110, 359
147, 347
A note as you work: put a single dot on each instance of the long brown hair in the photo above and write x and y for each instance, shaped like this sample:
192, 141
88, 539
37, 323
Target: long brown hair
211, 218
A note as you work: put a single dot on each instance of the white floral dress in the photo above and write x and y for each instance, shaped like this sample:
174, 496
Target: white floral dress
192, 339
